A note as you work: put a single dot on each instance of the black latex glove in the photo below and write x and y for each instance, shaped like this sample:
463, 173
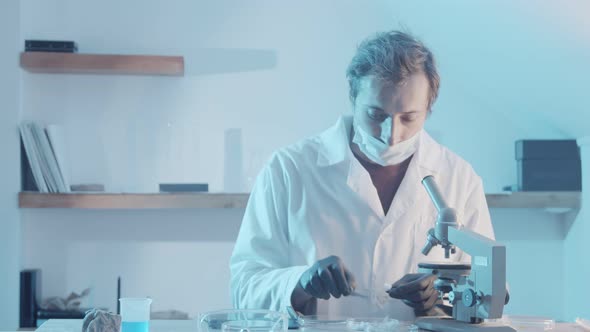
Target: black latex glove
417, 291
327, 277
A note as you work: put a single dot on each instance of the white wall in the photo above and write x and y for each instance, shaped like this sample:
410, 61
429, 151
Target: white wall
10, 165
535, 267
508, 72
577, 265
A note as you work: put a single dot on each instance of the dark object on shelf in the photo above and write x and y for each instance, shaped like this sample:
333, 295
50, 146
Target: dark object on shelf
30, 295
27, 179
43, 314
548, 165
511, 188
51, 46
87, 187
183, 187
118, 295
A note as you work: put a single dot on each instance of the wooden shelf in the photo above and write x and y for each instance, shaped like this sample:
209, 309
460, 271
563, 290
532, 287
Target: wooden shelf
132, 201
535, 200
532, 200
76, 63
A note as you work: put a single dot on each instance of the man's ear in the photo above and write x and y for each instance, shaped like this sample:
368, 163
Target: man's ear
352, 100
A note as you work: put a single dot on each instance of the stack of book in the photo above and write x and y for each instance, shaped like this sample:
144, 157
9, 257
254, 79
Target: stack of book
42, 159
44, 315
62, 46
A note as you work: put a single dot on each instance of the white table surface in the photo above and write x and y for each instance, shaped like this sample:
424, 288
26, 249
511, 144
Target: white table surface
75, 325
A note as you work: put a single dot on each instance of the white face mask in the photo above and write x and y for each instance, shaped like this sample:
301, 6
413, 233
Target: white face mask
382, 153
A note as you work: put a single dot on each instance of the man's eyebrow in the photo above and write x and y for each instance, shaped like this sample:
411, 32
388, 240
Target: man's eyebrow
376, 107
412, 111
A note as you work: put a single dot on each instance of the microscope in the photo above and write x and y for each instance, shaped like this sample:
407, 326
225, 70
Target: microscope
476, 291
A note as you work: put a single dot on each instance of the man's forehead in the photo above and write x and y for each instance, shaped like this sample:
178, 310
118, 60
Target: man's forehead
385, 95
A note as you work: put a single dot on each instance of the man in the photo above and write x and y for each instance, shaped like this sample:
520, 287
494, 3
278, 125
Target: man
345, 212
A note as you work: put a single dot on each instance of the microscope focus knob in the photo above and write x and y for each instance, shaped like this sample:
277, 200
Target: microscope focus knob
469, 298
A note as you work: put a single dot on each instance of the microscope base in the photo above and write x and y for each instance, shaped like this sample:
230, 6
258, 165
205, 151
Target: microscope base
448, 324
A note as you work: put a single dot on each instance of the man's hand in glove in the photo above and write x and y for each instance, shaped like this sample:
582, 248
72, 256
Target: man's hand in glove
327, 277
417, 291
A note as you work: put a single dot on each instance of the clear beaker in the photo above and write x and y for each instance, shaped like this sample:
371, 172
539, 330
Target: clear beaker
135, 314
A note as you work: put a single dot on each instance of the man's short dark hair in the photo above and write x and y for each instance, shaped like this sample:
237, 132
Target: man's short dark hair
392, 57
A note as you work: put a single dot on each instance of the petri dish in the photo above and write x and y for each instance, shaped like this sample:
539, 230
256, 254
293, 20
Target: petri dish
379, 324
252, 326
322, 323
244, 320
530, 323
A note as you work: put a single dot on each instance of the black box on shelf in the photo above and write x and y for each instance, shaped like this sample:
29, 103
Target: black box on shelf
183, 187
50, 46
548, 165
30, 295
43, 314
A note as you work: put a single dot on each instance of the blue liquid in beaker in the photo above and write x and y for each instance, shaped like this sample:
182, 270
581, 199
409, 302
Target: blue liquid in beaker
135, 327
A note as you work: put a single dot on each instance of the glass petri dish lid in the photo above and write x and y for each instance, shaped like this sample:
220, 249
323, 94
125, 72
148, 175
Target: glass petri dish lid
530, 323
322, 323
246, 320
379, 324
252, 326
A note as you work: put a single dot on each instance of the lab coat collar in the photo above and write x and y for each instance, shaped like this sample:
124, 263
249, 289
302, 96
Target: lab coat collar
334, 148
334, 145
428, 154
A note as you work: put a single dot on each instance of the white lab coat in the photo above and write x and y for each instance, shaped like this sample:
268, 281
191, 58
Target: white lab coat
314, 199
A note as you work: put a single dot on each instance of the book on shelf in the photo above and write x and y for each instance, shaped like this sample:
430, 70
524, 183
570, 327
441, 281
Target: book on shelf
32, 156
44, 162
58, 146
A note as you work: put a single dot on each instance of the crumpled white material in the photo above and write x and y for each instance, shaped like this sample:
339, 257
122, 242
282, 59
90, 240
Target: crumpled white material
97, 320
70, 303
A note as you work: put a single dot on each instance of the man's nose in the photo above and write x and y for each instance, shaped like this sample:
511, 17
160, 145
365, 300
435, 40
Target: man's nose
393, 130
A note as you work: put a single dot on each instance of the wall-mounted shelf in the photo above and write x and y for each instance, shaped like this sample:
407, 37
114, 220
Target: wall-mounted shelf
133, 201
532, 200
77, 63
536, 200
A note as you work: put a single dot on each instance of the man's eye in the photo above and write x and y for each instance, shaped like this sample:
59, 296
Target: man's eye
377, 115
408, 119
